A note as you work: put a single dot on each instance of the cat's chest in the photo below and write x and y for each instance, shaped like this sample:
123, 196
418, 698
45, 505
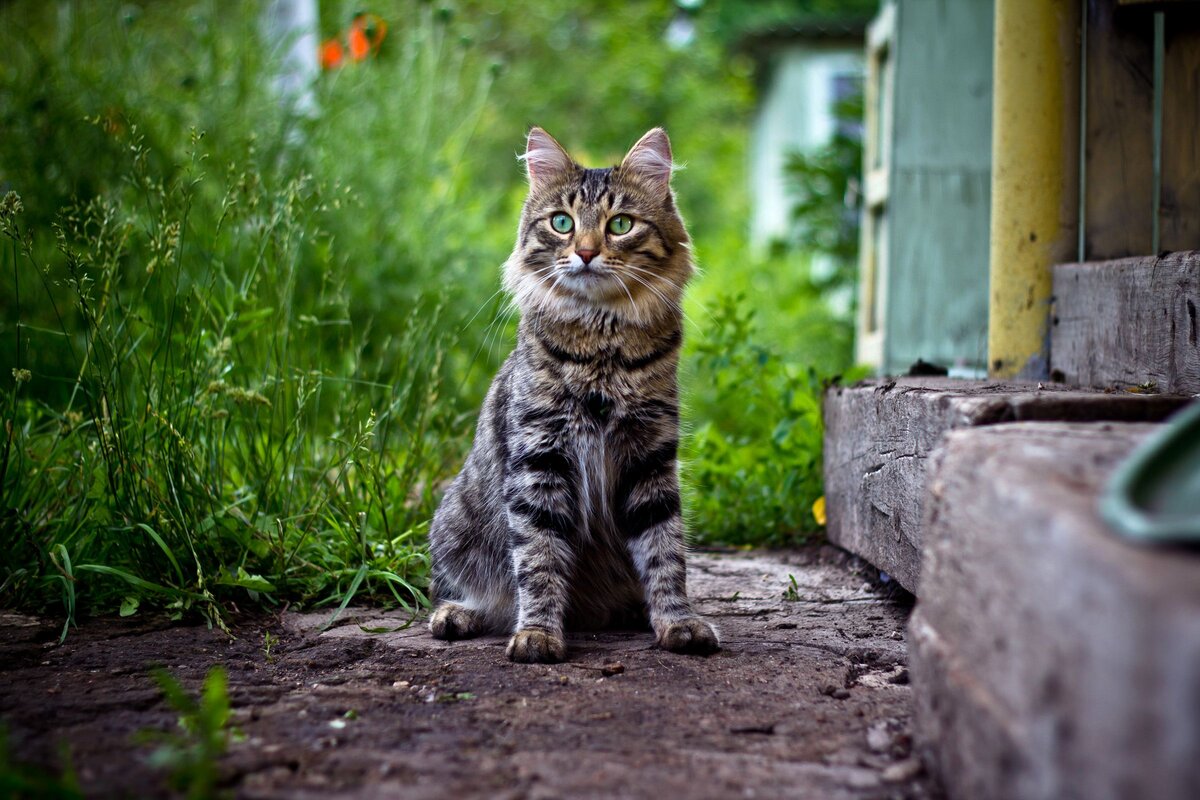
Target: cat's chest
597, 453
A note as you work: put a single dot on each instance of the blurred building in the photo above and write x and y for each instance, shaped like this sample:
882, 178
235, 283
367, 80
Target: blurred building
805, 70
927, 176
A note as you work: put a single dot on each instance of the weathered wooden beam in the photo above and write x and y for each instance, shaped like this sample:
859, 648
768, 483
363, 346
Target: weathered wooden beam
1127, 322
879, 433
1049, 658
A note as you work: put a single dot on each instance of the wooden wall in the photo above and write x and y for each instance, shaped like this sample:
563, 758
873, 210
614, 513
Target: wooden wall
1141, 147
937, 145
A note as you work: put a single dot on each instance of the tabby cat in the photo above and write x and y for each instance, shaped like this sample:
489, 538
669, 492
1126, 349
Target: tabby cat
567, 513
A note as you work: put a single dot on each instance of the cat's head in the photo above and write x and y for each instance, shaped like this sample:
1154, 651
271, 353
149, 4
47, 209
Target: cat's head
607, 239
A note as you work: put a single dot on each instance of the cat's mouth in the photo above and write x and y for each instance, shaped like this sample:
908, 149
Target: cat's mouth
592, 282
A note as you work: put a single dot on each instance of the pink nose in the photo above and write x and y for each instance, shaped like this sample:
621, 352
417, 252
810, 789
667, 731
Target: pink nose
586, 255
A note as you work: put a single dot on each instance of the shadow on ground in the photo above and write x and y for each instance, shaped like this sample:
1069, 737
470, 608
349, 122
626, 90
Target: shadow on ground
808, 698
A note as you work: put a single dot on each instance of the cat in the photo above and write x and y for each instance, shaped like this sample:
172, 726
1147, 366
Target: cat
567, 510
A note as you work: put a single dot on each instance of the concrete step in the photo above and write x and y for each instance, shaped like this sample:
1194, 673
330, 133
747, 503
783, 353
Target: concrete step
1129, 321
1049, 658
879, 434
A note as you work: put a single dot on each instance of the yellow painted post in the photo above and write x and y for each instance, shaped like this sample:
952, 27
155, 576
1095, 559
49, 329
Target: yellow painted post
1035, 176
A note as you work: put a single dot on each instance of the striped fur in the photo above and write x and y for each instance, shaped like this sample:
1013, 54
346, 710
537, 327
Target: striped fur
567, 510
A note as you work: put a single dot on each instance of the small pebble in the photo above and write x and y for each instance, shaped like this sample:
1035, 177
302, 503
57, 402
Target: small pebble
903, 771
615, 668
879, 738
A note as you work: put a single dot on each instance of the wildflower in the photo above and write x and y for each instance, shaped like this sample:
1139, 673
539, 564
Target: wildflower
10, 208
21, 376
11, 205
365, 35
247, 397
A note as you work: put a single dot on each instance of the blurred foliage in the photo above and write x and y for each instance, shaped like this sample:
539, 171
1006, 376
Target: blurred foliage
191, 753
21, 781
244, 347
732, 21
827, 186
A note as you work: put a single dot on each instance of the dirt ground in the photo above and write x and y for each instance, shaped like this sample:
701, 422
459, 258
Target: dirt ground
808, 699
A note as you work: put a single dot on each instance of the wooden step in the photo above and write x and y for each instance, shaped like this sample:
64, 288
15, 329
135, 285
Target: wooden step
1128, 321
879, 434
1049, 657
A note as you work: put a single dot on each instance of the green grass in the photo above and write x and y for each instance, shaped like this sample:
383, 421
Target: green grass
229, 435
243, 350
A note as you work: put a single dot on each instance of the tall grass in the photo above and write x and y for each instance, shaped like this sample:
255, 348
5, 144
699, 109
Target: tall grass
226, 433
249, 397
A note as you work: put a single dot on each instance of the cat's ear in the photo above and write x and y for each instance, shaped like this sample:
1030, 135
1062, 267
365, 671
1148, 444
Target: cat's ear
545, 159
651, 158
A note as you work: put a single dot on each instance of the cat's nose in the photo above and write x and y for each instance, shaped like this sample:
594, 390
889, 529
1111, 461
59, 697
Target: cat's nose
586, 255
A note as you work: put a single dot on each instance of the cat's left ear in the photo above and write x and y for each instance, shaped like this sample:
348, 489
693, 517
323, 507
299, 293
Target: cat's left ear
651, 158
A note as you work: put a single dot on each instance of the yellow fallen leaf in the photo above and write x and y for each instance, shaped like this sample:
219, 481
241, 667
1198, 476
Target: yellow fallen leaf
819, 510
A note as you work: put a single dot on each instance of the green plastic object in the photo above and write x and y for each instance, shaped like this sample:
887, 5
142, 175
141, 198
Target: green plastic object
1154, 496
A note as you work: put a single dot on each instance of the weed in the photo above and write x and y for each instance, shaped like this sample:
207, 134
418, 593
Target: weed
20, 781
192, 753
792, 592
753, 454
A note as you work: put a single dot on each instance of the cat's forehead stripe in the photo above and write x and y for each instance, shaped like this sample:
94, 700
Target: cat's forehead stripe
595, 182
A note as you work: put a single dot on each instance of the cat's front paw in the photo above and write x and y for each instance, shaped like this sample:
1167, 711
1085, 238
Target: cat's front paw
536, 646
451, 621
691, 635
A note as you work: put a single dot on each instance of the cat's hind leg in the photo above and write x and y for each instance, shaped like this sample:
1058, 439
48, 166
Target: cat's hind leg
451, 621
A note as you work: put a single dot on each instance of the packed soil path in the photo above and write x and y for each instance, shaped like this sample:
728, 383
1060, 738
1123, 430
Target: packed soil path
808, 698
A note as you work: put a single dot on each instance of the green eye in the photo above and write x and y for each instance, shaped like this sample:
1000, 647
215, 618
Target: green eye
562, 223
620, 224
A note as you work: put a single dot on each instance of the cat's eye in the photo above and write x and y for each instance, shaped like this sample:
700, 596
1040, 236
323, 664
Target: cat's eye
620, 224
562, 223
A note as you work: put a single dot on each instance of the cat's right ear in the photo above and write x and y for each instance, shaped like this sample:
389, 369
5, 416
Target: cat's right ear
545, 159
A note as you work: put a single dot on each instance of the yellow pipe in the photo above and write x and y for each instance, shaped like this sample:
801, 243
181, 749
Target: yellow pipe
1035, 168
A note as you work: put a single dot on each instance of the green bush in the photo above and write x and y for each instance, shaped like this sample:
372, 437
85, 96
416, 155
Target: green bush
753, 454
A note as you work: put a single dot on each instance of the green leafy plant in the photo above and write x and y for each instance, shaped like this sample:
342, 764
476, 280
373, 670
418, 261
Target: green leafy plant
753, 454
191, 754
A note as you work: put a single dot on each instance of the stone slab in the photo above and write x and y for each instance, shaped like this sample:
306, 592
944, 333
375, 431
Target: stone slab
879, 433
1129, 321
1051, 659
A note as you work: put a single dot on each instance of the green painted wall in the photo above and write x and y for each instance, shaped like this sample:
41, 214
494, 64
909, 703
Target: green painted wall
939, 185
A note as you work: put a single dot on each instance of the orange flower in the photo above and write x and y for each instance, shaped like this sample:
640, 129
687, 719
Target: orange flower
365, 35
360, 47
331, 54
